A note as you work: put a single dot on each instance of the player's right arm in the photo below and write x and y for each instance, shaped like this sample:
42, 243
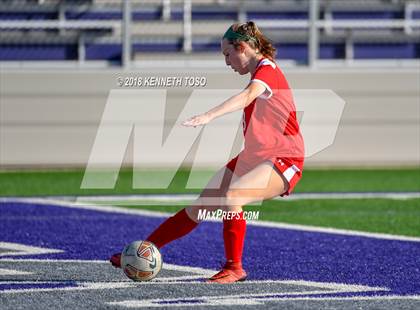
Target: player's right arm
234, 103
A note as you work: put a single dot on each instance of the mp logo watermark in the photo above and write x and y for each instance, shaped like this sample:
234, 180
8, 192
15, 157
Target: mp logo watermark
150, 121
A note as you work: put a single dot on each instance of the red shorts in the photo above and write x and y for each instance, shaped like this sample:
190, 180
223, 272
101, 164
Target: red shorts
290, 169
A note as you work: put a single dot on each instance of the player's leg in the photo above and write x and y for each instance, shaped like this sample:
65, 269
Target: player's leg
186, 220
263, 182
213, 195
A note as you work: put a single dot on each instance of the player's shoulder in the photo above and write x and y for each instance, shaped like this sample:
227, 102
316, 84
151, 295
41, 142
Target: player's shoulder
266, 67
267, 63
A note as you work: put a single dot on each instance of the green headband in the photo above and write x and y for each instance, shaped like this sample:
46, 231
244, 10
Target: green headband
231, 35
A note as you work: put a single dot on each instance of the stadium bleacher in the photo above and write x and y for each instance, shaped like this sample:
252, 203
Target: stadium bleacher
70, 30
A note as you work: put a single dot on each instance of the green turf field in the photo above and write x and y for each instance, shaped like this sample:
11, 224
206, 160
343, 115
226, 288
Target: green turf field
400, 217
322, 180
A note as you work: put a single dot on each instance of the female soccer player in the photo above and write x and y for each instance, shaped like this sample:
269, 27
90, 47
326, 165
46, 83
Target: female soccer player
271, 162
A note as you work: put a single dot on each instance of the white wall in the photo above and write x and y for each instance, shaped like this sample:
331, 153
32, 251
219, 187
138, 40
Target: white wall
50, 118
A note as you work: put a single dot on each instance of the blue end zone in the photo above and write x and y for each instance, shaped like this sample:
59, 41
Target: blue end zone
270, 253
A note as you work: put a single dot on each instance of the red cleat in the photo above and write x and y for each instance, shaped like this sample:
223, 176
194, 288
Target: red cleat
115, 260
229, 274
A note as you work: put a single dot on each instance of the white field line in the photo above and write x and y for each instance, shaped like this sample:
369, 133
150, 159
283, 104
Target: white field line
197, 272
83, 286
47, 260
12, 272
354, 298
250, 300
111, 209
15, 249
181, 279
335, 286
186, 302
326, 288
367, 195
193, 197
86, 206
334, 231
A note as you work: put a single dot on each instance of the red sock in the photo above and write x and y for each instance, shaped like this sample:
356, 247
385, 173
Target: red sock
173, 228
234, 236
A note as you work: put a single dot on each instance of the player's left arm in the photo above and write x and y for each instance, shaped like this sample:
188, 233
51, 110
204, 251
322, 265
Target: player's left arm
234, 103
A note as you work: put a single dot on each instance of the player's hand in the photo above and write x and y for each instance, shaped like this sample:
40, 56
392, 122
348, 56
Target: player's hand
198, 120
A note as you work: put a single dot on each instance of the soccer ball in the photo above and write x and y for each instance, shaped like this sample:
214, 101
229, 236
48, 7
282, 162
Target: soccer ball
141, 261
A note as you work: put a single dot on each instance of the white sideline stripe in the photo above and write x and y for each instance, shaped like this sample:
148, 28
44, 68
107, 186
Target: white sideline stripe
195, 270
83, 286
152, 303
335, 286
379, 297
181, 278
295, 196
192, 197
111, 209
12, 272
334, 231
200, 273
331, 287
85, 205
47, 260
368, 195
21, 249
250, 299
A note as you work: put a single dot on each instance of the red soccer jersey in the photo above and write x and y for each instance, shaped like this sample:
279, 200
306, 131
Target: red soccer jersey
271, 128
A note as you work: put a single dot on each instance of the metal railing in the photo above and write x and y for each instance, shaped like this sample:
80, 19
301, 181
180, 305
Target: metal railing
313, 25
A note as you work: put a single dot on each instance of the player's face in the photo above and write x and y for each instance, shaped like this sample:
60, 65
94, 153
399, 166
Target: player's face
235, 58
